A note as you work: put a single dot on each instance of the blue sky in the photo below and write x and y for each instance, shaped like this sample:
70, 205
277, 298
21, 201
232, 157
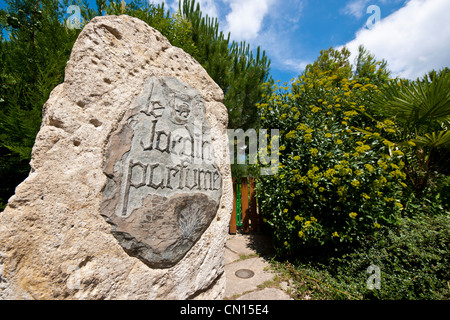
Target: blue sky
412, 35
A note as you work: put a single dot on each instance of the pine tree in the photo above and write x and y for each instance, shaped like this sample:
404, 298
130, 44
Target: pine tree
369, 70
32, 63
233, 66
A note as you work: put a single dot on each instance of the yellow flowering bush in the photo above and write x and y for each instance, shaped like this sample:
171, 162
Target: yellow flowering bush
338, 183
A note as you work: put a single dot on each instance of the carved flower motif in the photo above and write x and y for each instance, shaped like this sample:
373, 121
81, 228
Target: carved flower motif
189, 220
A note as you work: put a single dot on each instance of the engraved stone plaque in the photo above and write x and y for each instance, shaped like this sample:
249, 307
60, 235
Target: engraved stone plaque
163, 187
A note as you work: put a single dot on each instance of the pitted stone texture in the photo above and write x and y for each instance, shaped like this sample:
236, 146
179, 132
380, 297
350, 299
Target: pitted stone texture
54, 241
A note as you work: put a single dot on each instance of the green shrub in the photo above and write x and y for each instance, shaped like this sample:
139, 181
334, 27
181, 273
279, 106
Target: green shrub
439, 193
335, 184
413, 258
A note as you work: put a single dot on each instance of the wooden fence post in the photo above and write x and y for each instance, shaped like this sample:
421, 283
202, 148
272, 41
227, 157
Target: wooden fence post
233, 227
244, 204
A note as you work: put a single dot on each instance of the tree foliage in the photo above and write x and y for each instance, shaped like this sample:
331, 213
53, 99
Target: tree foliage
32, 63
367, 67
241, 72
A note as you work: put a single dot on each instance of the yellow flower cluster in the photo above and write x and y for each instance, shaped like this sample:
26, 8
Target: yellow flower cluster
353, 215
399, 205
303, 180
308, 138
379, 183
362, 148
329, 174
314, 152
383, 165
387, 125
335, 181
350, 113
356, 183
398, 174
306, 225
342, 191
342, 168
290, 134
316, 109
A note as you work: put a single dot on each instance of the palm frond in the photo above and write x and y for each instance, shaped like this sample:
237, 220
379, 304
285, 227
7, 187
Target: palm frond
435, 139
416, 102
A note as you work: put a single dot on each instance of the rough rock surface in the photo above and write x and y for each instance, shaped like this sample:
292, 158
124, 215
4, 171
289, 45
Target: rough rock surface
57, 237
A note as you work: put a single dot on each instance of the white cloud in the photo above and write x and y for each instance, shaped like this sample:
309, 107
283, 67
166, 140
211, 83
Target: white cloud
277, 36
413, 40
295, 65
270, 24
356, 8
245, 19
208, 8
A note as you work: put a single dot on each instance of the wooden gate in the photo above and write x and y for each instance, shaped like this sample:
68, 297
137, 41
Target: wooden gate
245, 215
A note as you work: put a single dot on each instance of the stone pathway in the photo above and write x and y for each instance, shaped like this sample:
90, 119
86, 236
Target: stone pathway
248, 254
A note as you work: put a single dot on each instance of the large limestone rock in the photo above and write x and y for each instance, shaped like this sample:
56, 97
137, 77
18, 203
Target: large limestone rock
130, 193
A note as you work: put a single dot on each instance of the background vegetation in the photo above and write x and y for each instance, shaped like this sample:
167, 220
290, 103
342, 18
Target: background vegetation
363, 174
34, 55
363, 180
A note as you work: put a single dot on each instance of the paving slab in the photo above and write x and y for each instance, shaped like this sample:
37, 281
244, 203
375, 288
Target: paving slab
250, 253
230, 256
244, 244
236, 285
266, 294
